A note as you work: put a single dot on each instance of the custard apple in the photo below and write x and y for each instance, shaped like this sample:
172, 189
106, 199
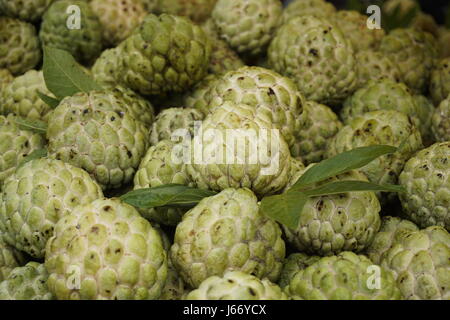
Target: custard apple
72, 26
165, 54
444, 41
197, 10
36, 196
318, 8
151, 5
420, 261
374, 65
226, 232
440, 121
199, 96
237, 285
30, 10
105, 251
247, 25
15, 145
20, 49
426, 178
98, 132
223, 58
317, 56
293, 263
21, 98
106, 68
440, 81
5, 78
347, 276
10, 258
26, 283
425, 110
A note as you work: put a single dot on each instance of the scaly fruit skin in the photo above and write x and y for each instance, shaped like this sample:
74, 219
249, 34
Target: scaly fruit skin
114, 252
171, 120
223, 58
346, 276
440, 121
5, 78
250, 152
374, 65
165, 54
247, 25
197, 10
36, 196
294, 263
354, 25
15, 144
98, 132
420, 263
30, 10
440, 81
199, 97
385, 127
26, 283
237, 285
107, 66
162, 165
84, 42
226, 232
425, 109
21, 98
390, 227
331, 224
414, 52
20, 49
276, 98
323, 67
319, 126
318, 8
426, 178
444, 41
382, 95
10, 257
151, 5
118, 18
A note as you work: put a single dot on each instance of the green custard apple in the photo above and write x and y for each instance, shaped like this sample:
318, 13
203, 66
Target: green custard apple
426, 109
374, 65
247, 25
226, 232
165, 54
196, 10
237, 285
318, 8
98, 132
26, 283
440, 81
105, 250
317, 56
36, 196
199, 97
5, 78
426, 179
223, 58
72, 26
293, 263
440, 121
10, 257
106, 68
444, 41
30, 10
347, 276
20, 49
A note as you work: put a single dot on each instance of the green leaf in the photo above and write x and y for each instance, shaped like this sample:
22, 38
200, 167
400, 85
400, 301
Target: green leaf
169, 195
50, 101
36, 154
32, 125
341, 163
64, 76
351, 186
284, 208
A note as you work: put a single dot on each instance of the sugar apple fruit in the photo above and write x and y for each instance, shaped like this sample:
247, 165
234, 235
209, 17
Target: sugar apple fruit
444, 41
318, 124
293, 263
317, 56
169, 123
226, 232
103, 251
5, 78
440, 81
425, 108
223, 58
197, 10
36, 196
390, 227
98, 132
106, 68
440, 121
331, 224
20, 49
374, 65
30, 10
414, 52
10, 257
72, 26
420, 261
318, 8
165, 54
347, 276
199, 96
162, 165
15, 145
237, 285
26, 283
248, 152
247, 25
21, 97
426, 179
151, 5
118, 18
